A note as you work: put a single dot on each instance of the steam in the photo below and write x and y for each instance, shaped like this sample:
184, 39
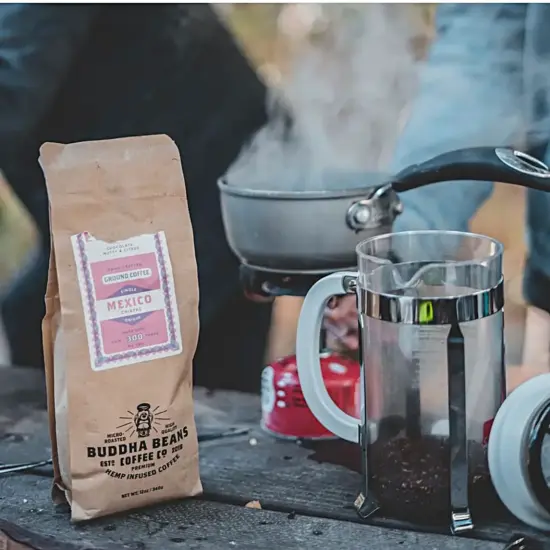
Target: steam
341, 107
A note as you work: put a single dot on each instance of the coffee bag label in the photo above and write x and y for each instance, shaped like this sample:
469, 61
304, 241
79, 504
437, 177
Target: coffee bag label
128, 296
144, 443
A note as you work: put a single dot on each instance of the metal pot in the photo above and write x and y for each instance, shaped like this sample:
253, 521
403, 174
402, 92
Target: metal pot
304, 231
309, 231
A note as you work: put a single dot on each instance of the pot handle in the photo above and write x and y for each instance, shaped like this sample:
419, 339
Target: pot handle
307, 356
499, 164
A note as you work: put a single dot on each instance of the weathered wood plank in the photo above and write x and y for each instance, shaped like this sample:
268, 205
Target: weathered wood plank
201, 525
283, 477
279, 474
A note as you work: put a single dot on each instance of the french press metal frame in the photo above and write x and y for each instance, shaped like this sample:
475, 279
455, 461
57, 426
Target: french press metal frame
428, 312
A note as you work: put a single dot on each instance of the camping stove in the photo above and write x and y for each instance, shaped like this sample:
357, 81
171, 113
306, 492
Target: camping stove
285, 413
260, 282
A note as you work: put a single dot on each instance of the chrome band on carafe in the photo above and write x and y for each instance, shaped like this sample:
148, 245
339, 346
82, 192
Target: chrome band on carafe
409, 310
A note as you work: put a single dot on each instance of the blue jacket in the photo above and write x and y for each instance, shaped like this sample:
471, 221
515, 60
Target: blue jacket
486, 82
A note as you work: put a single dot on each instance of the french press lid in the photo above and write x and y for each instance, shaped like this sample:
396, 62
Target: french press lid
519, 452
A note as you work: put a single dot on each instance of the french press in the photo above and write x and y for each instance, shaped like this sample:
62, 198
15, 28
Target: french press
433, 378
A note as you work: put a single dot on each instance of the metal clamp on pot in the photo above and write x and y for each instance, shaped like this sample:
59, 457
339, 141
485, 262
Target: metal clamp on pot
379, 210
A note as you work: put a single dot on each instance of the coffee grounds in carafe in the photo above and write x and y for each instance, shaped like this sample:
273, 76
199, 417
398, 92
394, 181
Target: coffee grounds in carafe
411, 479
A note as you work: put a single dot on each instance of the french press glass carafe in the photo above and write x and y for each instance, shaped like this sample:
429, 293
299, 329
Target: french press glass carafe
431, 323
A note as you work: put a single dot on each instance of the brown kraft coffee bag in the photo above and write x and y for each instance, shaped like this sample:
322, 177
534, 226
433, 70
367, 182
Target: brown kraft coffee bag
121, 325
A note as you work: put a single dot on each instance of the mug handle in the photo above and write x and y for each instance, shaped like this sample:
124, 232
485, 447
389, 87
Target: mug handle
307, 357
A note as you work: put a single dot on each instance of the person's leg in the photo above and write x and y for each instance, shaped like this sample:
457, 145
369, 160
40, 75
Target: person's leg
23, 310
5, 353
536, 346
231, 349
22, 304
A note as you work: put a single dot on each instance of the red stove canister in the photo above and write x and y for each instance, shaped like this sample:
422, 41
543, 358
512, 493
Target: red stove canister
284, 410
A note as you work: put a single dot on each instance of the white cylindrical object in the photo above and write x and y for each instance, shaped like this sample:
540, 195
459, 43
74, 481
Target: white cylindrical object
507, 451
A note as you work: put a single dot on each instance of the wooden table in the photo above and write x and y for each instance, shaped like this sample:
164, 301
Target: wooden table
304, 504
